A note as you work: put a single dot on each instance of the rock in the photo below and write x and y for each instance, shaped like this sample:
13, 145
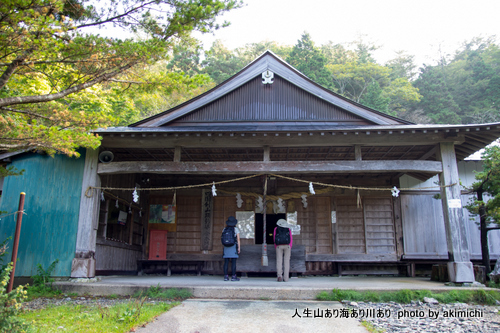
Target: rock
495, 274
430, 300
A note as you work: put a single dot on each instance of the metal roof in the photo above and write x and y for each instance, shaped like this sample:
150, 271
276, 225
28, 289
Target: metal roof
269, 61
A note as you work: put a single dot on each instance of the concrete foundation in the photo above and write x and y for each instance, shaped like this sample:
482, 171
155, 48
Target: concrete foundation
83, 268
461, 272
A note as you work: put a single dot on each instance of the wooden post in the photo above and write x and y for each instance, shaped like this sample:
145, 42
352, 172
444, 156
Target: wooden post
83, 265
357, 153
460, 267
265, 260
16, 240
177, 154
267, 154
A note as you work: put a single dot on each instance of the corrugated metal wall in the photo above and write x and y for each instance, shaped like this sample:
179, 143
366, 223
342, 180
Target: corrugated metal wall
49, 227
281, 101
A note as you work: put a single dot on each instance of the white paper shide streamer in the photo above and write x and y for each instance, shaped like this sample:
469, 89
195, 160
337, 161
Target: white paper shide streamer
395, 192
260, 204
311, 188
135, 195
304, 200
239, 201
281, 205
214, 190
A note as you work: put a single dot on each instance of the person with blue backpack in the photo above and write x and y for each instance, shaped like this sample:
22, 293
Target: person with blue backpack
283, 240
230, 239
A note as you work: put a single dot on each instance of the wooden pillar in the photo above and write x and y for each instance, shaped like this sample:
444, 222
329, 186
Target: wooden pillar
459, 267
83, 265
357, 153
177, 154
267, 154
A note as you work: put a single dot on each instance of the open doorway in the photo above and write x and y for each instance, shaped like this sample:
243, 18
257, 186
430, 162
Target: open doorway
271, 220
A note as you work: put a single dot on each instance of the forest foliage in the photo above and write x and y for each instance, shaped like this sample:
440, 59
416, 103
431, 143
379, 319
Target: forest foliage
60, 79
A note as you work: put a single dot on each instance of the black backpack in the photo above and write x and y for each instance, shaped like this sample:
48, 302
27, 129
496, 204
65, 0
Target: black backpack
282, 236
228, 238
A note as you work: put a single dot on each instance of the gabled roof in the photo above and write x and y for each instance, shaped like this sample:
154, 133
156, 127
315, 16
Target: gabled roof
242, 100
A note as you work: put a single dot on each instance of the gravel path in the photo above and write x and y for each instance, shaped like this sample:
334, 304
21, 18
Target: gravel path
429, 316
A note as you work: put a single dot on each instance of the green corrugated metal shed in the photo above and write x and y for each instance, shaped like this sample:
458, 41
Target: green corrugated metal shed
53, 188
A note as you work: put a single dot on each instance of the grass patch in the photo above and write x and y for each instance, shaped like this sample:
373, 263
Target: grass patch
121, 317
42, 291
371, 328
493, 284
164, 294
405, 296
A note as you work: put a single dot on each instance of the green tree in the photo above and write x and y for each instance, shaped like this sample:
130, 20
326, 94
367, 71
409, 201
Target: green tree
251, 51
309, 60
50, 61
375, 98
159, 89
337, 53
352, 79
403, 66
186, 57
437, 100
220, 63
463, 88
487, 184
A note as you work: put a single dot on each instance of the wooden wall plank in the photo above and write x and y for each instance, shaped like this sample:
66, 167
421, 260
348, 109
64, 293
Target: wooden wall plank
350, 226
423, 226
323, 225
379, 225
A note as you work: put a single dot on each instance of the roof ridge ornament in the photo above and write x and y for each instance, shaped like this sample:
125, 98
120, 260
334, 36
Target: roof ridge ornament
267, 77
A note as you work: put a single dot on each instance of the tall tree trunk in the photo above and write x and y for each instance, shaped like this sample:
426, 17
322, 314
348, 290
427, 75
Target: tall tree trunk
485, 251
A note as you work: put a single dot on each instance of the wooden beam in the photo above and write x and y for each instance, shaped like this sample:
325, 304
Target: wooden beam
269, 167
260, 140
354, 257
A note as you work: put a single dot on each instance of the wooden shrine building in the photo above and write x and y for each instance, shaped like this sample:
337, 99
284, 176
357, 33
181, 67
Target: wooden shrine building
269, 124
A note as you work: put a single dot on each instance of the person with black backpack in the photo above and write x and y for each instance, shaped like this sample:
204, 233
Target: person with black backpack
230, 239
283, 244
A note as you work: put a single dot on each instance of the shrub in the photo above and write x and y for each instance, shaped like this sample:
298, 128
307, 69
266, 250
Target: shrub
10, 304
42, 282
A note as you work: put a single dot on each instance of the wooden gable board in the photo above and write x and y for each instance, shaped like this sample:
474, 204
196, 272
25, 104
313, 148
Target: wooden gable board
268, 61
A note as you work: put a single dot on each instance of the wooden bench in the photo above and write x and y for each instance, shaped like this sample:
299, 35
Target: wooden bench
250, 260
177, 258
423, 259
